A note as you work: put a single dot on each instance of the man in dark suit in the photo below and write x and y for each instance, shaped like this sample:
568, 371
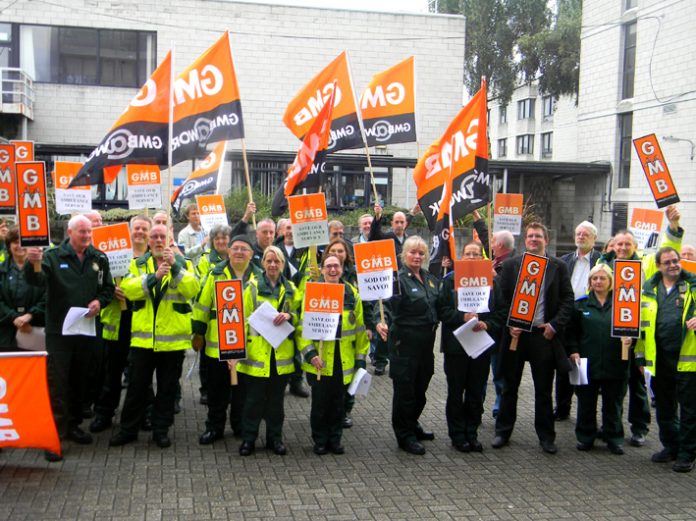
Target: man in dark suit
579, 263
540, 347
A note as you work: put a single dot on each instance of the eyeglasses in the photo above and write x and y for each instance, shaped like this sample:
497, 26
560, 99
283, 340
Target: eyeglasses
670, 262
239, 249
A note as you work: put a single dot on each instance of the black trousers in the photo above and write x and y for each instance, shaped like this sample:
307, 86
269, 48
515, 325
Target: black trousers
116, 361
328, 409
221, 395
142, 364
69, 362
613, 393
675, 400
411, 366
638, 404
466, 381
538, 351
264, 400
564, 394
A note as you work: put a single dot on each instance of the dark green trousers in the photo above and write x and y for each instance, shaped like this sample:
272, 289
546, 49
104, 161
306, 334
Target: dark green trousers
327, 412
613, 393
264, 399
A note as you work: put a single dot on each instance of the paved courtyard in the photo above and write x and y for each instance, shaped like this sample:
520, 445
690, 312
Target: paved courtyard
373, 480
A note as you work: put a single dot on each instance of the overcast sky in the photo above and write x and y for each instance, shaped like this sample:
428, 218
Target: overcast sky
403, 6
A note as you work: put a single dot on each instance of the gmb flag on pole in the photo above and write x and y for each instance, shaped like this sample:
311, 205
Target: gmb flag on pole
460, 158
140, 135
303, 110
204, 180
388, 105
306, 169
26, 418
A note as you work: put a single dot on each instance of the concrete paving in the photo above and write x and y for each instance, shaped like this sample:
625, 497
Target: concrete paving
374, 480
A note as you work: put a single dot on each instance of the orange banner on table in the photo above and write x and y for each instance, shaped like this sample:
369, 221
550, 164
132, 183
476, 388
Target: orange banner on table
375, 256
32, 204
527, 290
473, 273
625, 318
655, 167
24, 150
8, 200
63, 174
229, 301
322, 297
26, 418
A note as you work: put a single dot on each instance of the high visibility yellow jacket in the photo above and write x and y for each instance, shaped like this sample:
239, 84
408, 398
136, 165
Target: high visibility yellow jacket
205, 309
285, 298
161, 308
646, 347
351, 336
110, 318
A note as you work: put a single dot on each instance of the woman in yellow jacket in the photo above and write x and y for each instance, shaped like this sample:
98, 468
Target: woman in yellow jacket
266, 369
337, 366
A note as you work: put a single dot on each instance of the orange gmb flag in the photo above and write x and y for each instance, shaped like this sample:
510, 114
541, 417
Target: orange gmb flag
8, 201
207, 105
203, 180
388, 105
229, 302
26, 418
32, 204
306, 105
529, 284
463, 150
655, 167
625, 317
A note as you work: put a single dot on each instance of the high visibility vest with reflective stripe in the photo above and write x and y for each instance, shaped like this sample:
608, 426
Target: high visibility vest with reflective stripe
110, 318
170, 329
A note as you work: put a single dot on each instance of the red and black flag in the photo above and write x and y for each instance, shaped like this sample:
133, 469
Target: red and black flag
204, 180
140, 135
306, 171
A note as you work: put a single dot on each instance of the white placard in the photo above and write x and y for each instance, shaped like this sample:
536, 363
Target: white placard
72, 201
473, 299
376, 285
119, 262
313, 233
144, 196
512, 223
213, 219
320, 326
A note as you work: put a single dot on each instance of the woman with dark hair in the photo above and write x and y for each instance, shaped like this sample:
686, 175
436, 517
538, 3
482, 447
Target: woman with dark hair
340, 248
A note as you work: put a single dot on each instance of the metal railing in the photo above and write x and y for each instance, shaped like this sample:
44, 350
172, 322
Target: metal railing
16, 92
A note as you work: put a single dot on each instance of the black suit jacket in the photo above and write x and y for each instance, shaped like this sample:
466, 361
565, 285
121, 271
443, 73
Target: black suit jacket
571, 258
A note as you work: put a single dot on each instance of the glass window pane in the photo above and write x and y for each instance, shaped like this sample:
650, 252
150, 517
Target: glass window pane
78, 56
38, 52
118, 54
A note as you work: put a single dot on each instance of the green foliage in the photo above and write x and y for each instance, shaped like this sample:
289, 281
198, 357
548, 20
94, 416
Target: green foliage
236, 203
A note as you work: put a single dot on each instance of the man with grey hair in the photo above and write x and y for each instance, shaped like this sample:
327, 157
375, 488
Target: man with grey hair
75, 274
364, 223
265, 233
502, 248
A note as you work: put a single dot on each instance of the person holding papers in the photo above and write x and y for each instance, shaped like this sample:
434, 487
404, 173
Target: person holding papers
266, 369
205, 332
589, 336
466, 376
412, 321
337, 362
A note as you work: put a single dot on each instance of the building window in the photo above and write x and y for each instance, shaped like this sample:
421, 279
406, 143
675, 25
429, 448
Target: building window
525, 109
547, 144
630, 4
548, 106
625, 135
502, 148
84, 56
525, 144
488, 118
502, 116
629, 60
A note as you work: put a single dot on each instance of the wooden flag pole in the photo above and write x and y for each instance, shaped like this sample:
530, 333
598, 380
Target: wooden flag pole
248, 181
122, 304
232, 364
490, 229
372, 175
321, 349
513, 343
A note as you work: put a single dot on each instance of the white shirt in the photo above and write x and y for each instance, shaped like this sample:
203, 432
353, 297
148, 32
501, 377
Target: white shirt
581, 270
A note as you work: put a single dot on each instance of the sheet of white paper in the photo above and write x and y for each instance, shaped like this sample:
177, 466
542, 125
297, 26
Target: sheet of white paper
76, 323
262, 321
474, 343
648, 382
35, 340
293, 270
361, 383
578, 373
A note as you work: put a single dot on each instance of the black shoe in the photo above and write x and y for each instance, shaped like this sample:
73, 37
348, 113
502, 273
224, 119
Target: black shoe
278, 447
79, 436
475, 446
462, 446
177, 406
499, 442
422, 434
204, 399
161, 439
337, 448
581, 445
87, 411
379, 370
548, 447
52, 457
209, 437
122, 438
299, 389
615, 449
347, 421
560, 416
320, 449
683, 466
637, 440
246, 448
100, 423
413, 447
664, 456
146, 425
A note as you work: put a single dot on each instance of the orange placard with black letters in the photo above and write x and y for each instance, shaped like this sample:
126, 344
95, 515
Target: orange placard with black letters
8, 201
229, 302
24, 150
625, 317
529, 284
655, 167
32, 204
